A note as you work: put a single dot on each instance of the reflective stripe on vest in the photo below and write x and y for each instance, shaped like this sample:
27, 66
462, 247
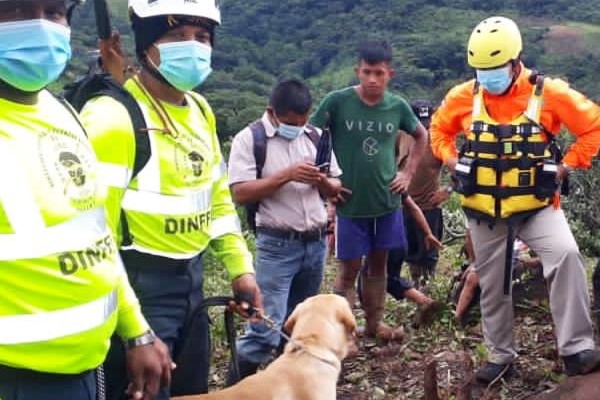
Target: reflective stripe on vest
114, 175
218, 171
16, 197
162, 204
77, 233
154, 252
224, 225
49, 325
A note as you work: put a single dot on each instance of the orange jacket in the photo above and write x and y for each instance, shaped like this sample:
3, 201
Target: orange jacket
562, 105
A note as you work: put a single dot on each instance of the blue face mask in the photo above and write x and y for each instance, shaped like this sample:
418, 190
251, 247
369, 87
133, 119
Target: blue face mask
33, 53
495, 81
184, 65
289, 132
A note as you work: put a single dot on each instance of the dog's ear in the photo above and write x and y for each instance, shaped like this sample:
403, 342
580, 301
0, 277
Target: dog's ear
291, 321
345, 316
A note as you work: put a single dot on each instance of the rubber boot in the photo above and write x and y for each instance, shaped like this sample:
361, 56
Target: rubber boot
373, 294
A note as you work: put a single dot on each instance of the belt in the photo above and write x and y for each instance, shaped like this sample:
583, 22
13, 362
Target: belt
136, 260
306, 236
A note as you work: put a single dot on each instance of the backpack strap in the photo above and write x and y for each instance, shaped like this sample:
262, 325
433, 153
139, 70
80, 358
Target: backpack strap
259, 146
259, 149
143, 150
313, 135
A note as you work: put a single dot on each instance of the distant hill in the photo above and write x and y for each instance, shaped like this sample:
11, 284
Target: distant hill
261, 41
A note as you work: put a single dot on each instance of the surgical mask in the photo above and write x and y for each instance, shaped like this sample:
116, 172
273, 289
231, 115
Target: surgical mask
495, 81
33, 53
184, 65
289, 132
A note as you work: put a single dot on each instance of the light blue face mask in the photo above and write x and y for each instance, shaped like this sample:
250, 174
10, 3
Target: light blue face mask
289, 132
495, 81
33, 53
184, 65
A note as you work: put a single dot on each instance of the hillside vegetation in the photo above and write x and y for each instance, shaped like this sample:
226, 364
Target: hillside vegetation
264, 40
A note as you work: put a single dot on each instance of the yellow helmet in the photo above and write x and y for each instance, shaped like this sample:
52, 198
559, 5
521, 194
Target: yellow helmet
494, 42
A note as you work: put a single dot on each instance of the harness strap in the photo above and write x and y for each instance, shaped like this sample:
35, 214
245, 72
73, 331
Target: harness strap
506, 131
505, 192
510, 239
503, 165
506, 148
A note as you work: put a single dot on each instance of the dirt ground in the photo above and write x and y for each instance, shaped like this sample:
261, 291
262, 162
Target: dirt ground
396, 371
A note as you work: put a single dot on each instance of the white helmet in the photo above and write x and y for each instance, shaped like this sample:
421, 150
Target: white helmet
208, 9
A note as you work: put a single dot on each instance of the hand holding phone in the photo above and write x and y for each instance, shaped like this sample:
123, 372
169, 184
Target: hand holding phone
323, 167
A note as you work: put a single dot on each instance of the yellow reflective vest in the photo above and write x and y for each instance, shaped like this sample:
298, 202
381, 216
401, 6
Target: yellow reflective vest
506, 170
63, 289
180, 202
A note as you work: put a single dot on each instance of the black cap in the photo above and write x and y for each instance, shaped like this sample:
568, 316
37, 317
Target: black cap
148, 30
423, 109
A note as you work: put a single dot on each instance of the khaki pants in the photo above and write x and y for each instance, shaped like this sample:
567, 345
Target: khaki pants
548, 234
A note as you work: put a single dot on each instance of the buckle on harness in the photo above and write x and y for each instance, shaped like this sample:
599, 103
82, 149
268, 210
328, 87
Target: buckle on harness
478, 127
504, 131
508, 148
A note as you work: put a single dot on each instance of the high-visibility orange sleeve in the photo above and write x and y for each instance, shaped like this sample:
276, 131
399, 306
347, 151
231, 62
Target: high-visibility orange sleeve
449, 119
579, 115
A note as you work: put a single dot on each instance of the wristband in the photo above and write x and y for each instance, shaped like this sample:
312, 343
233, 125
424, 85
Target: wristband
144, 339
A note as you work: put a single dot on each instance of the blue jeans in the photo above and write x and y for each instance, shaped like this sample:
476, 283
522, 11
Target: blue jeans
287, 272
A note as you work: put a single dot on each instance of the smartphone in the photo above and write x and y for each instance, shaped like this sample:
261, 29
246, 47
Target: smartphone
323, 167
103, 27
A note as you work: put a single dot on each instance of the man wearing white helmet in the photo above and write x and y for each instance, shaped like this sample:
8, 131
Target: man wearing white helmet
509, 173
63, 288
169, 208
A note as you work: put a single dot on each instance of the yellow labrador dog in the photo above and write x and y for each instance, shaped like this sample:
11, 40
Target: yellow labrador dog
321, 328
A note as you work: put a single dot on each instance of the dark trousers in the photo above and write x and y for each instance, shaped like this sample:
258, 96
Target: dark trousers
18, 384
396, 285
169, 291
416, 252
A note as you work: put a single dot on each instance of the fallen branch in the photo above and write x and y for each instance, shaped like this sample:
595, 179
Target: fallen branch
464, 390
430, 381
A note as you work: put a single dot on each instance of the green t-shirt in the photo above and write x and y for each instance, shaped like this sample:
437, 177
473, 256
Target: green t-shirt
364, 141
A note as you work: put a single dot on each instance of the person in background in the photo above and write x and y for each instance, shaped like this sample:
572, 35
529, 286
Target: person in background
426, 191
291, 220
365, 121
